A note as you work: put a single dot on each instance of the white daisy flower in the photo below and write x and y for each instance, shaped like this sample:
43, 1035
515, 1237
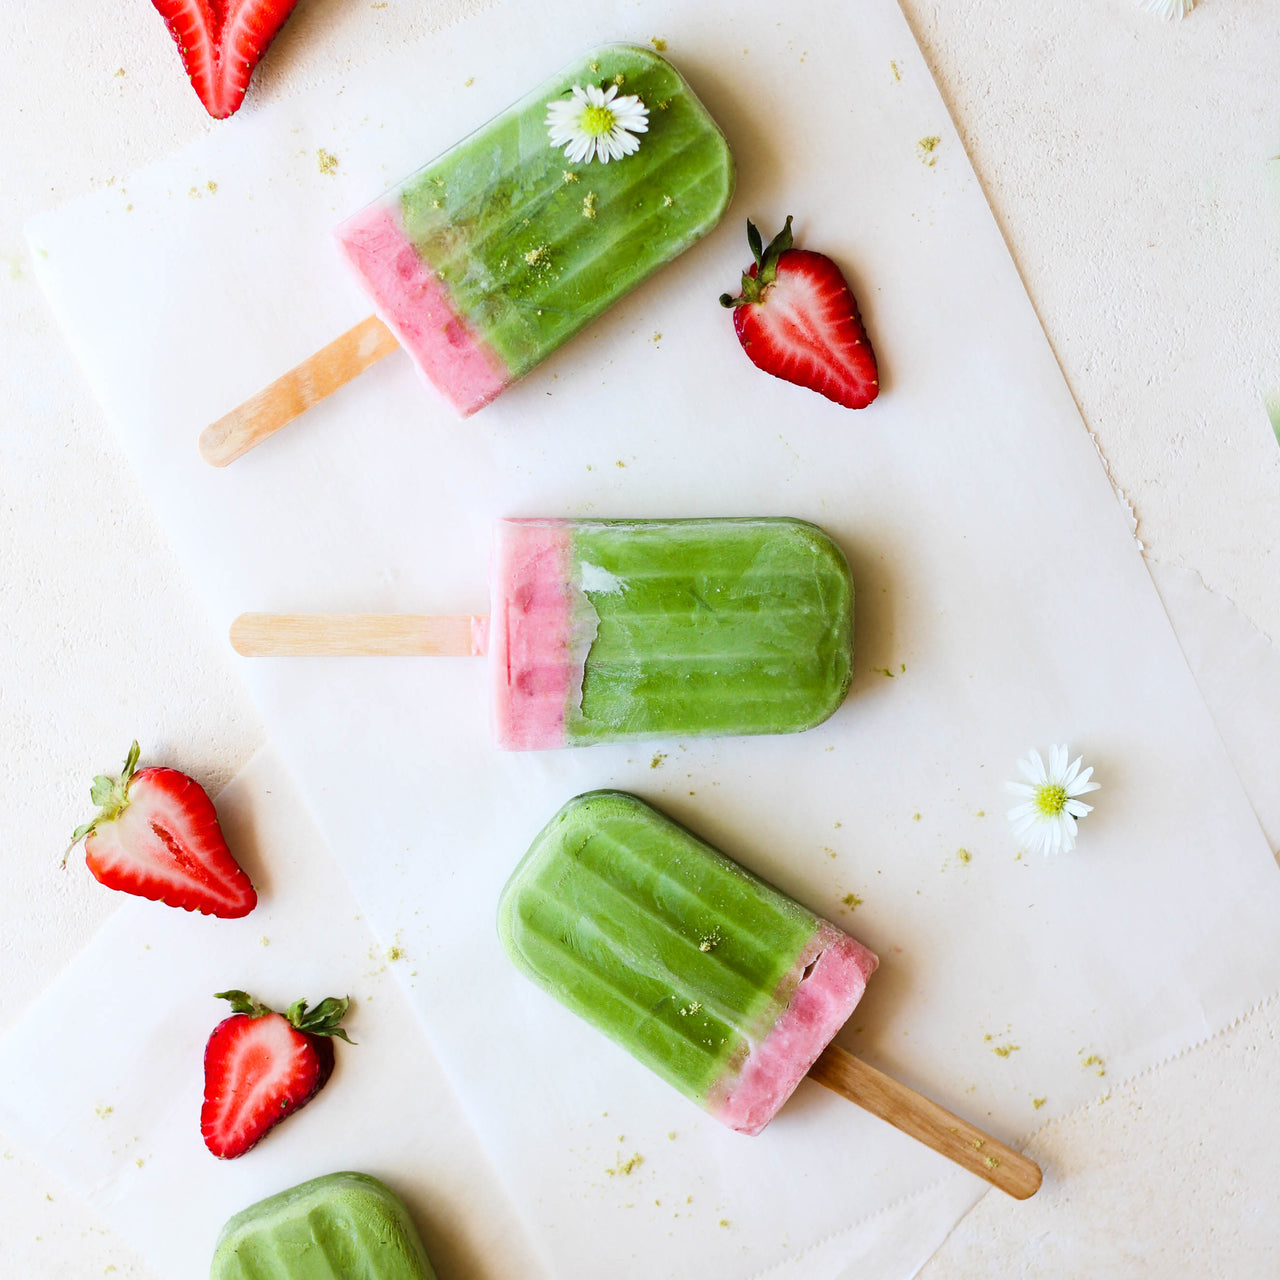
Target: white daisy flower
595, 124
1168, 8
1046, 819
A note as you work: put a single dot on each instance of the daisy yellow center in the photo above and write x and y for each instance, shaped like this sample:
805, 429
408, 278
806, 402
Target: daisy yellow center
1050, 799
597, 121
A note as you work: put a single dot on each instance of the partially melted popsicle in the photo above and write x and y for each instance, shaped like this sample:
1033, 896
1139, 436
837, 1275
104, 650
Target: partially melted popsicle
725, 987
485, 261
609, 630
339, 1227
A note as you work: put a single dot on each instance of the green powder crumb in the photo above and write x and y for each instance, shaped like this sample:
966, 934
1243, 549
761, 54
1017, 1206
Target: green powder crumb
658, 758
1038, 1102
1094, 1061
664, 104
658, 43
915, 817
119, 73
979, 1143
883, 671
570, 176
1004, 1050
982, 813
537, 257
724, 1222
265, 941
326, 161
138, 1162
667, 202
964, 856
468, 82
671, 1137
102, 1112
657, 337
589, 205
128, 208
852, 901
693, 1007
595, 67
897, 75
619, 79
928, 149
211, 186
991, 1162
395, 953
625, 1168
619, 463
710, 941
194, 193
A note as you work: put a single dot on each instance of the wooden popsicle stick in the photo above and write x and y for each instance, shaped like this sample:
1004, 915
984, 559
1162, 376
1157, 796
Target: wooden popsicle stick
293, 393
927, 1122
358, 635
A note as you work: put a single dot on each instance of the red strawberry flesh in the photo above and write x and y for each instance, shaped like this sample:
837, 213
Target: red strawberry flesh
220, 42
261, 1066
257, 1072
801, 323
158, 837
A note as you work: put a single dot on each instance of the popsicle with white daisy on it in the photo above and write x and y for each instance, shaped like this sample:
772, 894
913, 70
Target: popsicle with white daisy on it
488, 259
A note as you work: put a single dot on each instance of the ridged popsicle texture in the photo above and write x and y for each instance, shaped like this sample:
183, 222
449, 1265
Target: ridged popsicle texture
605, 630
489, 258
719, 983
344, 1226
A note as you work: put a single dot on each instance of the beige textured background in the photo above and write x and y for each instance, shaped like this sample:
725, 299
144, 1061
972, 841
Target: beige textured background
1126, 160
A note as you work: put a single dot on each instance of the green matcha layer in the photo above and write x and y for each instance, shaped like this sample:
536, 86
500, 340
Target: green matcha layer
344, 1226
713, 979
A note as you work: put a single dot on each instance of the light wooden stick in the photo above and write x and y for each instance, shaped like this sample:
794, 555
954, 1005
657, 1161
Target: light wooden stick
293, 393
358, 635
927, 1122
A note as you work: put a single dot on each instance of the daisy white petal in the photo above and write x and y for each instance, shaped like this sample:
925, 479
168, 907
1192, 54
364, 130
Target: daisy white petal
1047, 819
595, 124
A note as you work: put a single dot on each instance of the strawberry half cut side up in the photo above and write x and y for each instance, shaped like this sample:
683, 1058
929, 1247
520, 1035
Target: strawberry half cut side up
797, 319
220, 42
261, 1066
157, 836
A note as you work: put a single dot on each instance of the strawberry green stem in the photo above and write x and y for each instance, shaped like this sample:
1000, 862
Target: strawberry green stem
323, 1020
111, 795
755, 285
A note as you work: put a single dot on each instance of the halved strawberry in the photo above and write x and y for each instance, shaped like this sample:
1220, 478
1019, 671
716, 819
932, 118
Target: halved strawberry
220, 42
157, 836
797, 319
260, 1066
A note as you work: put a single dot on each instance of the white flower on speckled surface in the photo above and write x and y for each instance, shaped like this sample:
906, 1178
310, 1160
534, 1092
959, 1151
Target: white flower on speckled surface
1046, 819
1168, 8
595, 124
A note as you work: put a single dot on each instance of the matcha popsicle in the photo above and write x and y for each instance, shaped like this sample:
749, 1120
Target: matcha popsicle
485, 261
722, 985
344, 1226
611, 630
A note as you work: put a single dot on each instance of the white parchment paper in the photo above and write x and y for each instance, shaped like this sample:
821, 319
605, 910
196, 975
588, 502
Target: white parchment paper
1002, 604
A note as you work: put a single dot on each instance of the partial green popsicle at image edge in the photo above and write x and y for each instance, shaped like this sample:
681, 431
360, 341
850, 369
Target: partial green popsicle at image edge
533, 246
344, 1226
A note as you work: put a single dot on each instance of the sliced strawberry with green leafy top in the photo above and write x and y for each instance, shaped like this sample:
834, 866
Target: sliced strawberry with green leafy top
797, 319
157, 836
220, 42
261, 1066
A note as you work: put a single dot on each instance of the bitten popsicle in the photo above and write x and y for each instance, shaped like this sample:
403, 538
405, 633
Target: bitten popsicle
338, 1227
610, 630
725, 987
485, 261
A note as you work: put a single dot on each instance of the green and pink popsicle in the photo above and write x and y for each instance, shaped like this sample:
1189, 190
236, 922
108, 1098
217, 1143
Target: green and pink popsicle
722, 985
617, 630
484, 262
